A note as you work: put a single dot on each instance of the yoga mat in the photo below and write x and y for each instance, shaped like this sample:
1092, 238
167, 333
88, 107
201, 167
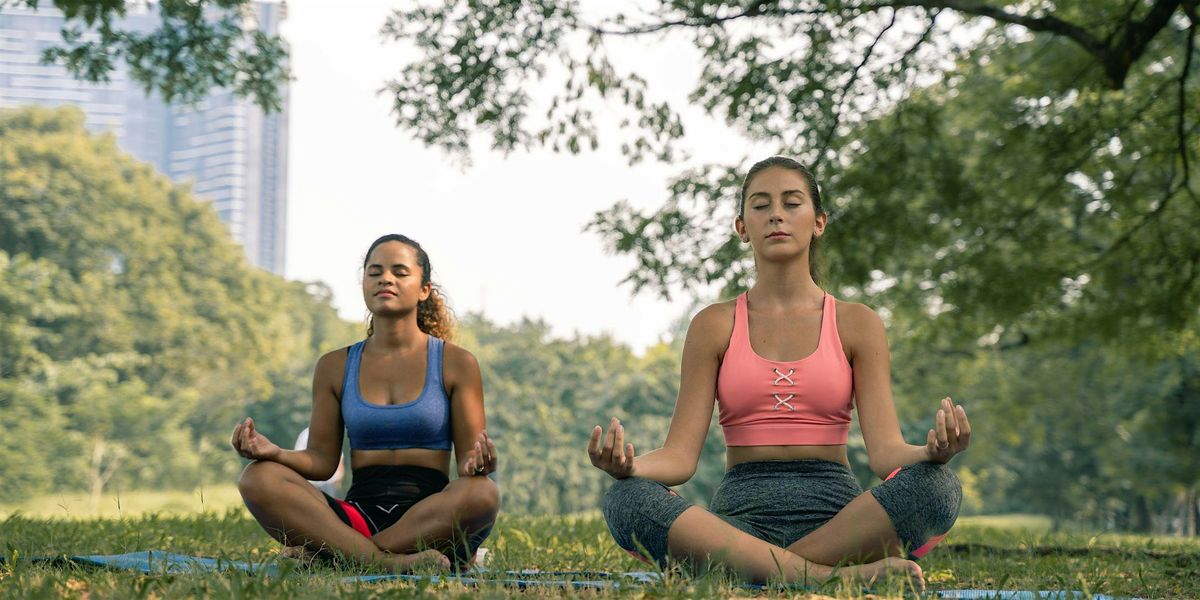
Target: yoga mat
157, 562
1020, 595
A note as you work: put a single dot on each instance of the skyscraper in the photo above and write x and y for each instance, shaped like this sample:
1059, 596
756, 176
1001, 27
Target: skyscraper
233, 153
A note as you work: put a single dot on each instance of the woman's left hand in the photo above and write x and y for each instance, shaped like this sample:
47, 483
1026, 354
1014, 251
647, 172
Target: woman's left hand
951, 433
481, 461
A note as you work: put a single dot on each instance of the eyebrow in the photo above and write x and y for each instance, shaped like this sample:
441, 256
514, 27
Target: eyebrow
377, 265
797, 191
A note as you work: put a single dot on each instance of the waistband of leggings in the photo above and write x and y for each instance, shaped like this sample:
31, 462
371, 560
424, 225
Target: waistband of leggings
807, 466
376, 478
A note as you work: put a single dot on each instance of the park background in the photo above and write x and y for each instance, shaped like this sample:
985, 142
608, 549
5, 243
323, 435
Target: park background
1013, 186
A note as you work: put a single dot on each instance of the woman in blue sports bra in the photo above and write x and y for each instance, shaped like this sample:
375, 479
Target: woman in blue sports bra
404, 396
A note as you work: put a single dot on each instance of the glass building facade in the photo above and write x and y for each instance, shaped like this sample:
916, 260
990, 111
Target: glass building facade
233, 154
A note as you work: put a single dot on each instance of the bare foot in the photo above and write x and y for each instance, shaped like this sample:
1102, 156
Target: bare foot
891, 566
407, 563
298, 553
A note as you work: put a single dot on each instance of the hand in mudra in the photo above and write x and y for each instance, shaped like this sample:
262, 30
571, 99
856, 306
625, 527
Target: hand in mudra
609, 452
251, 444
951, 433
482, 458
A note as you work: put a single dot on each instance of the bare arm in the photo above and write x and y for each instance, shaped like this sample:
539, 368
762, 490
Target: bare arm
472, 448
886, 448
319, 461
675, 462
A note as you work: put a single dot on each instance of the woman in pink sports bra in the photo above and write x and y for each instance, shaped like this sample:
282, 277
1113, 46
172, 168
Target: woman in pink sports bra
786, 363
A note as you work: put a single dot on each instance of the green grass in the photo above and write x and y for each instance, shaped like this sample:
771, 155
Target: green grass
119, 505
982, 552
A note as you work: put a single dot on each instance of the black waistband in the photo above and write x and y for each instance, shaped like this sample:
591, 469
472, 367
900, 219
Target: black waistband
382, 480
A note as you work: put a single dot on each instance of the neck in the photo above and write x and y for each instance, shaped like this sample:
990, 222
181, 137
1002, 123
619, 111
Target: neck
397, 333
785, 283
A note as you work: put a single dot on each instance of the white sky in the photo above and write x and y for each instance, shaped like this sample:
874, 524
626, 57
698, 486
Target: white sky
505, 236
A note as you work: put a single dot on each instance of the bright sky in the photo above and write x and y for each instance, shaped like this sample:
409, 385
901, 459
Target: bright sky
505, 236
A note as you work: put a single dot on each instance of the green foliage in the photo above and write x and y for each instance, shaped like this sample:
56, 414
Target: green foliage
200, 45
1013, 187
133, 332
1033, 170
545, 395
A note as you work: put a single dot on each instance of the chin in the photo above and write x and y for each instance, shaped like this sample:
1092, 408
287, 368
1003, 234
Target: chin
782, 254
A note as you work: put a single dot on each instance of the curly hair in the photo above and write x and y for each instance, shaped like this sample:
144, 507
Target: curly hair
434, 316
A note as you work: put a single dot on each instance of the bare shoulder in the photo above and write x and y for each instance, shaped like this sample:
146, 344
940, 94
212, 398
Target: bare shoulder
330, 369
712, 326
458, 361
858, 324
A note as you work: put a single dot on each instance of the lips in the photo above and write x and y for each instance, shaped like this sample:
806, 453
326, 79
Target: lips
777, 234
385, 293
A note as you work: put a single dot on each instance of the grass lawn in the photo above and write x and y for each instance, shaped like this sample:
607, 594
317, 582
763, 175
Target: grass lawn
1011, 552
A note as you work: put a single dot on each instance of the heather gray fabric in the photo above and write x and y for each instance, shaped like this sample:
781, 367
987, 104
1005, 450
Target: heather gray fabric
639, 512
922, 500
783, 501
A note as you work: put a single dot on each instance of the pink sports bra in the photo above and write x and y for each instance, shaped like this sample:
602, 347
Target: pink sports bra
802, 402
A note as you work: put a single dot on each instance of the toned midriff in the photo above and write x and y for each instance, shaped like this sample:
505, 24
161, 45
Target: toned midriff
417, 457
736, 455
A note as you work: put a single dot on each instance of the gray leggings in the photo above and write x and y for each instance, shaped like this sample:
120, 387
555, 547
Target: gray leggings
783, 501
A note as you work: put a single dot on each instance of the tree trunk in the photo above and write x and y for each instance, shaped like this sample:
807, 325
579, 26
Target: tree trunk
1142, 521
100, 472
1189, 513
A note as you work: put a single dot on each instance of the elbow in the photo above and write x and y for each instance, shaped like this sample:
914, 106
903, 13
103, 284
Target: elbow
685, 469
323, 468
684, 475
882, 469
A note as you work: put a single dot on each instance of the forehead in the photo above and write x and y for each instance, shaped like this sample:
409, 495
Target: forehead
391, 253
777, 179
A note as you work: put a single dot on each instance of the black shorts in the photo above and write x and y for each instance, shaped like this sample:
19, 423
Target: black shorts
380, 495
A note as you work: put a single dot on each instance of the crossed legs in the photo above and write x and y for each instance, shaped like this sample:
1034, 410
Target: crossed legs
766, 505
296, 514
701, 537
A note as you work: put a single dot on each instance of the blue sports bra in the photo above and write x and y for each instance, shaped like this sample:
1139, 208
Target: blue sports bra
422, 423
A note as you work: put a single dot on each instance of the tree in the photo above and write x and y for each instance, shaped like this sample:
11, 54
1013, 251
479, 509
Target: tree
133, 333
1012, 185
1005, 169
200, 45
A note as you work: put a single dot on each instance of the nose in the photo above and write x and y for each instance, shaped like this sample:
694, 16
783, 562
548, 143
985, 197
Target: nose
776, 213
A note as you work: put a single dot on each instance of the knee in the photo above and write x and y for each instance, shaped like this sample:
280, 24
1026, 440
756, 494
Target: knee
946, 486
639, 513
620, 502
480, 500
942, 491
258, 479
624, 504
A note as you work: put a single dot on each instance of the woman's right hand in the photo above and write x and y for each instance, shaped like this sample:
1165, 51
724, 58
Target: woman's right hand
613, 456
251, 444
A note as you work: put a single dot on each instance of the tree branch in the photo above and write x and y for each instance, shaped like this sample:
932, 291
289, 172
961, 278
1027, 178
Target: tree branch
969, 7
1115, 58
1048, 24
753, 10
837, 113
1181, 127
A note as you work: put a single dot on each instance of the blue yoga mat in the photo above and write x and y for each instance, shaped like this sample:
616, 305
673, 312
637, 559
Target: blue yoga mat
157, 562
1021, 595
